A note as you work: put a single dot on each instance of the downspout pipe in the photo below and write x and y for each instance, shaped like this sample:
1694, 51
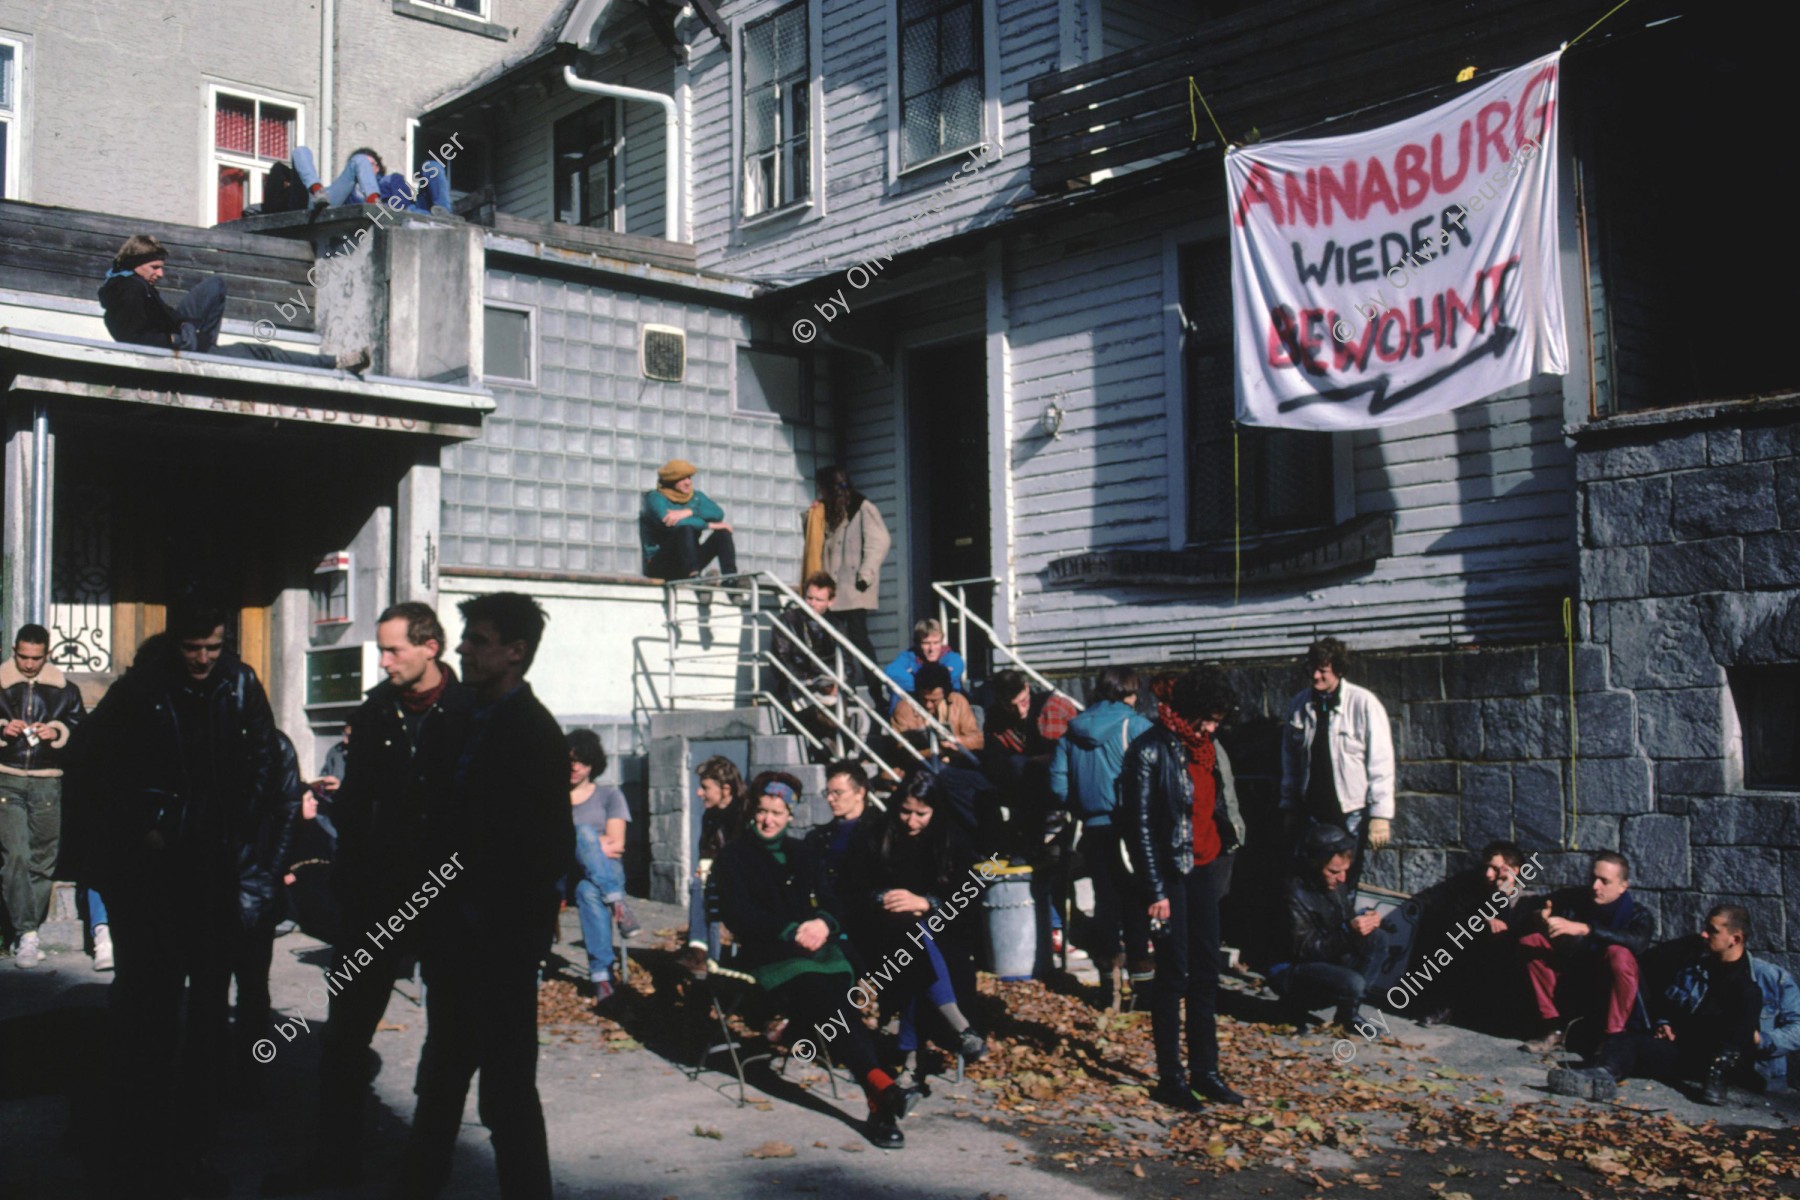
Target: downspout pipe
672, 198
327, 83
39, 611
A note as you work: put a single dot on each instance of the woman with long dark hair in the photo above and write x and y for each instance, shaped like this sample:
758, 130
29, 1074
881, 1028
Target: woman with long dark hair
1177, 818
916, 870
847, 539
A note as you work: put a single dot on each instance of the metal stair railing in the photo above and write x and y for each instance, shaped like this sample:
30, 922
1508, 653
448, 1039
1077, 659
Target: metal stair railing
751, 584
966, 616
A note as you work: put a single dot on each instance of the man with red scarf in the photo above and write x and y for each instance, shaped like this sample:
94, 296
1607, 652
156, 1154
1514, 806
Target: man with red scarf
1177, 811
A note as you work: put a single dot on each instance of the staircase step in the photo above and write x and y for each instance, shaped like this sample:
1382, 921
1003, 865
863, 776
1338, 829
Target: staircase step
777, 750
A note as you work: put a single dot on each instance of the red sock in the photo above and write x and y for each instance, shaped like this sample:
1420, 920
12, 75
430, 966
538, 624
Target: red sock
875, 1083
317, 187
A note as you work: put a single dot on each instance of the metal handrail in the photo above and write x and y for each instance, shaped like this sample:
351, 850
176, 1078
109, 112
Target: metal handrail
966, 615
837, 718
753, 581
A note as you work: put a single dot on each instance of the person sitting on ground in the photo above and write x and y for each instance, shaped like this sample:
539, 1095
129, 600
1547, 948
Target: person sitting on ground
914, 874
137, 315
1474, 985
674, 516
928, 646
829, 849
1581, 948
1084, 779
600, 814
365, 179
1177, 810
722, 818
936, 694
1329, 944
815, 697
795, 953
1728, 1016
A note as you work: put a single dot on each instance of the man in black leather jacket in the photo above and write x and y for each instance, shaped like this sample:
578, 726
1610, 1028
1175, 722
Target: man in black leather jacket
1581, 948
178, 763
1328, 942
1176, 826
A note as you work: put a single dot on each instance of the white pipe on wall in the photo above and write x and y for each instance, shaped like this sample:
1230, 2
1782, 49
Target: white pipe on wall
672, 194
327, 81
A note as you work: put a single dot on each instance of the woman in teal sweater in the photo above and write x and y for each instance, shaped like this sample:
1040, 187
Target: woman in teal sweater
792, 949
674, 516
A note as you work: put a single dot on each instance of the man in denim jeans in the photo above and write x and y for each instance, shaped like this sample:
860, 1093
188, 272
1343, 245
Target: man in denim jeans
38, 708
365, 179
600, 816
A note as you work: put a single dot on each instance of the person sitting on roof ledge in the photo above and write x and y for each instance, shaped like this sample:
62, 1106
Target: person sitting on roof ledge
137, 315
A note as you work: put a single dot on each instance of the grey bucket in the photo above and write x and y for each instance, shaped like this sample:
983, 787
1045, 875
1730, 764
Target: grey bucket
1011, 925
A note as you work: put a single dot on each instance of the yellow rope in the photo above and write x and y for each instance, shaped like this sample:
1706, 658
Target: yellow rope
1615, 8
1194, 133
1571, 832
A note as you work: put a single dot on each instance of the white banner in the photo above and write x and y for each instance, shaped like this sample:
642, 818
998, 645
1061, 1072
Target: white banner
1385, 276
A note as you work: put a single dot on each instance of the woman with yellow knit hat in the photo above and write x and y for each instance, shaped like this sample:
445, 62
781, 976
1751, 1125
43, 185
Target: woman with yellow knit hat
675, 514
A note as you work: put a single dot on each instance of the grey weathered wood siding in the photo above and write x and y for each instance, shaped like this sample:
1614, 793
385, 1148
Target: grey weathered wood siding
1482, 498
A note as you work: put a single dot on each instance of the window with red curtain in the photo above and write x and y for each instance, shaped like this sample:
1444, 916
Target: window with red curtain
234, 124
234, 192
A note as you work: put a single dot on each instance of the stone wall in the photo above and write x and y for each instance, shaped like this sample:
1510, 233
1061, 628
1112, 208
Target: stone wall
1690, 564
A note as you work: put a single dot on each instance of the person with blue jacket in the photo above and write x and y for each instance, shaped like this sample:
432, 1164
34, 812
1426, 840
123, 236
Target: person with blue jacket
674, 516
1084, 780
1726, 1017
929, 646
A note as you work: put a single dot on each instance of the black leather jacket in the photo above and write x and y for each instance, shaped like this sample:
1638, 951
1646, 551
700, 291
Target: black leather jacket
1156, 809
1577, 904
49, 699
390, 775
143, 756
1318, 923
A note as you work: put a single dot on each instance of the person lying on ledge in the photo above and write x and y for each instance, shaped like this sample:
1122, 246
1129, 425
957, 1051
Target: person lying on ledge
137, 315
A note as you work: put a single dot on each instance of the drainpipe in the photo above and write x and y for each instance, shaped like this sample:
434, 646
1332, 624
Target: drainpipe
671, 141
327, 80
40, 515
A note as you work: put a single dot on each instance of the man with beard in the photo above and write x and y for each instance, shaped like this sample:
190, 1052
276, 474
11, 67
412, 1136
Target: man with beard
503, 819
182, 756
404, 751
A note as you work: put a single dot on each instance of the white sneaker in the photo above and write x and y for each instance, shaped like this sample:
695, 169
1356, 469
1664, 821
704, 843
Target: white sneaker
103, 958
28, 953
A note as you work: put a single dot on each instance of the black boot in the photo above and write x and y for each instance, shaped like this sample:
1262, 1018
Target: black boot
1717, 1089
1214, 1088
1177, 1095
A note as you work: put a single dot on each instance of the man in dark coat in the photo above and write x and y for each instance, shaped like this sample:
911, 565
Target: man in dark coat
504, 820
404, 752
137, 315
178, 762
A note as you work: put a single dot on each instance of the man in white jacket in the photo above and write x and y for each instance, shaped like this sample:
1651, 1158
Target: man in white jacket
1337, 754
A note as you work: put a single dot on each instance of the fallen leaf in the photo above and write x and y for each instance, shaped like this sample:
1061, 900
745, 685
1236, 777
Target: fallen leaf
771, 1150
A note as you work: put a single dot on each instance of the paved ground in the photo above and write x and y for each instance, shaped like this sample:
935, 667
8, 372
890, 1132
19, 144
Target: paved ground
626, 1121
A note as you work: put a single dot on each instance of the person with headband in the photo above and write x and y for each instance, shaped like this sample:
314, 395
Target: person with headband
795, 951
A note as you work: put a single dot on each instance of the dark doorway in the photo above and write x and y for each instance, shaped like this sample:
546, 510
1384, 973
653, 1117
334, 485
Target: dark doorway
947, 397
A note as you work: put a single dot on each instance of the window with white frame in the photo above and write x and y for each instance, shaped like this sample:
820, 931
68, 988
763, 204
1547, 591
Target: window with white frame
586, 146
507, 344
940, 78
249, 134
474, 8
12, 56
777, 113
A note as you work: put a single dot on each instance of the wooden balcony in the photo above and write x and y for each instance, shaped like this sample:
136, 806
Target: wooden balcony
1307, 67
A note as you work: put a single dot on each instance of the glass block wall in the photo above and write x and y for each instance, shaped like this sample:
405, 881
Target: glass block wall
556, 479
